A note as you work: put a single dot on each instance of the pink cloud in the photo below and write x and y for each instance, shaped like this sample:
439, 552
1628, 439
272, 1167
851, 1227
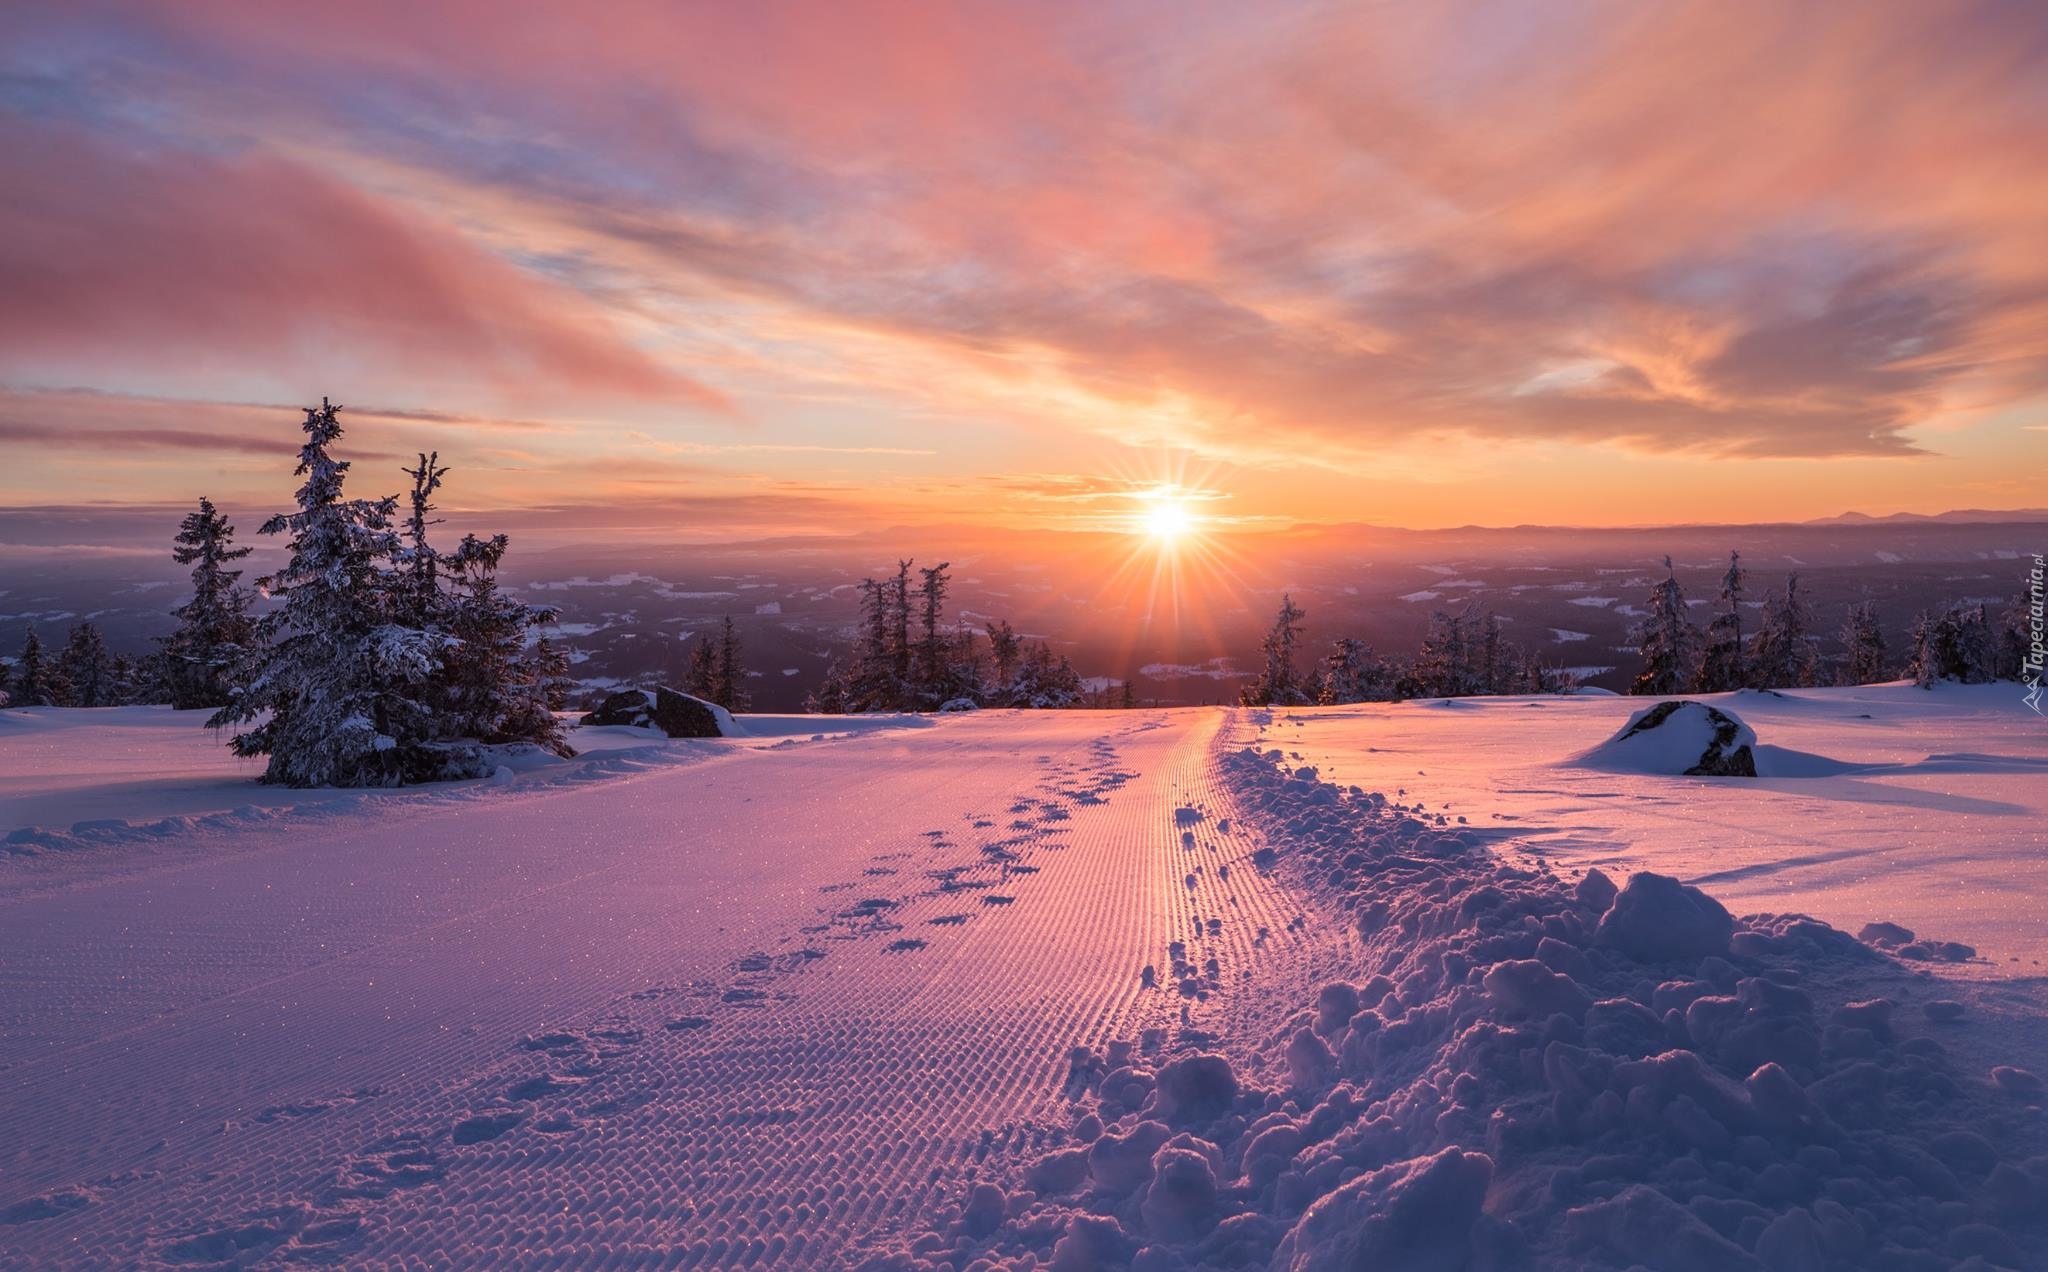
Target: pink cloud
171, 259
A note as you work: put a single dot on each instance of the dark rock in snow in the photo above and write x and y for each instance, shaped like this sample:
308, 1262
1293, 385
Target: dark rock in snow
1658, 919
676, 714
1685, 737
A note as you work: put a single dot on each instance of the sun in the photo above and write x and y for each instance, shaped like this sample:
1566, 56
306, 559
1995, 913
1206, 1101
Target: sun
1167, 521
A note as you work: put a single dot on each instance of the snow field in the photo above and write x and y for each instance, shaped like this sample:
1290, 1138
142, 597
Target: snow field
1881, 803
762, 1008
1524, 1071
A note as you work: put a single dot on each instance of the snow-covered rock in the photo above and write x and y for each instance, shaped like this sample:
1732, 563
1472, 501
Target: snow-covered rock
1681, 737
672, 712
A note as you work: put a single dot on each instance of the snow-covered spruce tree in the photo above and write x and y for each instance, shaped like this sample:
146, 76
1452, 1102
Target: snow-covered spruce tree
215, 629
969, 669
130, 682
38, 680
1955, 644
493, 688
1724, 665
1278, 683
1494, 661
1920, 659
420, 601
1444, 661
932, 666
341, 693
1864, 660
88, 669
2014, 639
729, 671
1666, 639
700, 677
899, 638
1045, 680
874, 684
1005, 650
1352, 672
552, 681
1783, 654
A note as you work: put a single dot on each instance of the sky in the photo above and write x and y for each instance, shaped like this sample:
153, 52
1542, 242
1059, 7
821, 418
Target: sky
749, 269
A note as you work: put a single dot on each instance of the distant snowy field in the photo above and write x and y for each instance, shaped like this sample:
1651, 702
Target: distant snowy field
785, 999
1887, 802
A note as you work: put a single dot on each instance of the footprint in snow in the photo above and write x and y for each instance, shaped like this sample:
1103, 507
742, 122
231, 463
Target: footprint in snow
484, 1127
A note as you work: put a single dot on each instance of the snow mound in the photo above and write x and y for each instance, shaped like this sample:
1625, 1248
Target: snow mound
1679, 738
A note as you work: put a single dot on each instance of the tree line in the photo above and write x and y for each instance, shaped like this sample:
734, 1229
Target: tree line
1960, 641
1464, 653
907, 657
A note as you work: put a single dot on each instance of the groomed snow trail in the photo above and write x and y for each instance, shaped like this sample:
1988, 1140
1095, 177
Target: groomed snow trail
760, 1009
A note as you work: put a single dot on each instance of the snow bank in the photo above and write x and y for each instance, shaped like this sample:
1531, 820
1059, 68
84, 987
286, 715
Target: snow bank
1526, 1072
1679, 738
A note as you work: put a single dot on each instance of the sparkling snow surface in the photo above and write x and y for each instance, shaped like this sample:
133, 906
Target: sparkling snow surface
745, 998
1924, 808
784, 999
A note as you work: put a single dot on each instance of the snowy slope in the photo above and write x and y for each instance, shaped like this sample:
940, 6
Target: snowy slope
792, 999
768, 998
1924, 808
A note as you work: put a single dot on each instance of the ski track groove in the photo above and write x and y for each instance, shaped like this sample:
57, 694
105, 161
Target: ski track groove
826, 1102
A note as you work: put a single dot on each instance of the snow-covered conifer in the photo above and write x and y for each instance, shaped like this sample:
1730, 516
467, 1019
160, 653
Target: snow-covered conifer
1920, 659
932, 670
492, 688
1005, 649
340, 694
1783, 654
1045, 680
88, 669
700, 678
1864, 660
1666, 639
1955, 644
729, 675
2014, 639
1443, 664
421, 602
1724, 665
1352, 672
38, 681
215, 629
899, 634
1279, 684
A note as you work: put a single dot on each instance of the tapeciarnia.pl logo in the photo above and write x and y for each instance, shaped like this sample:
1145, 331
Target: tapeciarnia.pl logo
2031, 672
